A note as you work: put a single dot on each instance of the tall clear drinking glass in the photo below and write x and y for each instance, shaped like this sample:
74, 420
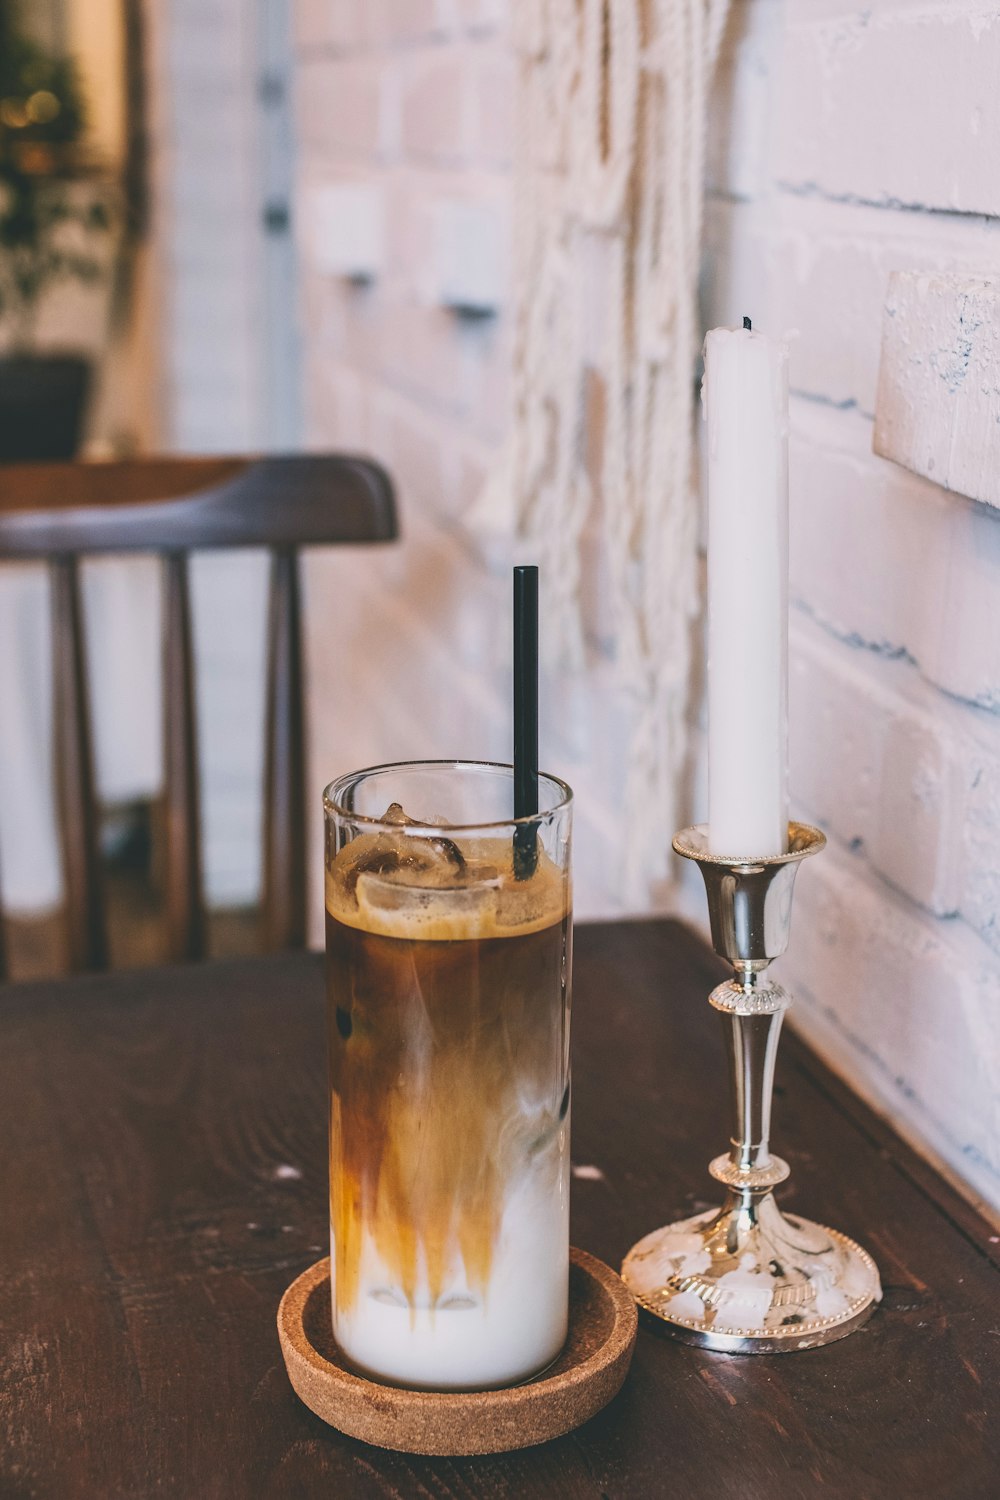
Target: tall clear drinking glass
448, 942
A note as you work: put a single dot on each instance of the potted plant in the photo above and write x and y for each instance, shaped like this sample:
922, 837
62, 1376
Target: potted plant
50, 215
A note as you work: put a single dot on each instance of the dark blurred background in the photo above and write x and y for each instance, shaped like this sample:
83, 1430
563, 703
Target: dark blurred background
147, 292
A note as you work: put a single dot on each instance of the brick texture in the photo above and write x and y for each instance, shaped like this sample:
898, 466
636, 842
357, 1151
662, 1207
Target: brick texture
417, 96
850, 142
893, 105
897, 1001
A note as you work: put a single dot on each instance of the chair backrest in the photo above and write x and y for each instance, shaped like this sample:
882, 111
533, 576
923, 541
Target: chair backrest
61, 512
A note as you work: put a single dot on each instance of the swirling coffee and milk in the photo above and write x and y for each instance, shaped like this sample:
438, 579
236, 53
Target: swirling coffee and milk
449, 1104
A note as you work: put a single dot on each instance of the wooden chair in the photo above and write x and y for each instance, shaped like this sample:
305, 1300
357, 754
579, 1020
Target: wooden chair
62, 512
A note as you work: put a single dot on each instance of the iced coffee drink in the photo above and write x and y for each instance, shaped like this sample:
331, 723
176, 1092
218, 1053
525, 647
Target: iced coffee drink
448, 981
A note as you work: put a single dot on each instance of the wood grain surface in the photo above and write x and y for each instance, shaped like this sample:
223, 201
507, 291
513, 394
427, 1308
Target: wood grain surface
163, 1179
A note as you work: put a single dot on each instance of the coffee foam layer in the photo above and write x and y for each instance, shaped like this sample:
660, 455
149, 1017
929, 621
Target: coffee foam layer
441, 903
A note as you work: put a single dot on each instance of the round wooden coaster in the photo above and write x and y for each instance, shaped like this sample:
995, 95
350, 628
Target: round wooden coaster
589, 1371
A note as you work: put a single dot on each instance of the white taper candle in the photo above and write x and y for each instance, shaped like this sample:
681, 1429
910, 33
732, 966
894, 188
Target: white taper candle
745, 394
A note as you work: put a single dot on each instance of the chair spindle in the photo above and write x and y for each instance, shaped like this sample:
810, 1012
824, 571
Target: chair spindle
86, 930
185, 907
284, 775
3, 941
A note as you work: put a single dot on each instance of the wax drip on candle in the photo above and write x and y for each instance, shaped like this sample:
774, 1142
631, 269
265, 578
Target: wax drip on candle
747, 325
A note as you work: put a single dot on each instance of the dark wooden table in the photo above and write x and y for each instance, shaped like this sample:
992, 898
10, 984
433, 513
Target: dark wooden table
163, 1178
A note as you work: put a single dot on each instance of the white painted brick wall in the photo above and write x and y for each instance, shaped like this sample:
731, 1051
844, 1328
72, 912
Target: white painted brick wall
937, 410
892, 104
867, 146
204, 168
409, 648
847, 141
806, 264
205, 163
903, 1006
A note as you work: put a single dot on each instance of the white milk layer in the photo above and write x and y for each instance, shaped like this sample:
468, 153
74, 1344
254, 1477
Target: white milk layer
469, 1341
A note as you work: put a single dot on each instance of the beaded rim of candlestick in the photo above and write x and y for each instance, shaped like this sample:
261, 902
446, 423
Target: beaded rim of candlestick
803, 840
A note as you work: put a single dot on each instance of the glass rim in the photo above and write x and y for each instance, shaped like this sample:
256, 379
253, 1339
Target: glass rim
334, 788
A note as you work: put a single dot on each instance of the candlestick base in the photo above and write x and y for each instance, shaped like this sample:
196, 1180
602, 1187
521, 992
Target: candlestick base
746, 1278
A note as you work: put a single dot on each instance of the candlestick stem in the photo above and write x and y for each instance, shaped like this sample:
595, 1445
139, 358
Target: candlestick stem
747, 1278
752, 1034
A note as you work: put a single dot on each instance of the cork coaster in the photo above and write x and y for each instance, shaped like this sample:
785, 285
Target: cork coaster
588, 1373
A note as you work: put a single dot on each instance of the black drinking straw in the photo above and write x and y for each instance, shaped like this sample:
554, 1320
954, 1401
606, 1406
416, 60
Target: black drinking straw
525, 717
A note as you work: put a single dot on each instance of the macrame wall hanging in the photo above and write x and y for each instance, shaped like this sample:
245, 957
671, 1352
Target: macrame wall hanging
608, 181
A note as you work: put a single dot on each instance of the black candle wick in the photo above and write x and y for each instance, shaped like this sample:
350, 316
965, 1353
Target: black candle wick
746, 324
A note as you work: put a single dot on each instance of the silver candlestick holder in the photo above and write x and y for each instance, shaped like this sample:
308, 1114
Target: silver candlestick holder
747, 1278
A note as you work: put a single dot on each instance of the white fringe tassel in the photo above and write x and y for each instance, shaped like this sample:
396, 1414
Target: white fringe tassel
608, 174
